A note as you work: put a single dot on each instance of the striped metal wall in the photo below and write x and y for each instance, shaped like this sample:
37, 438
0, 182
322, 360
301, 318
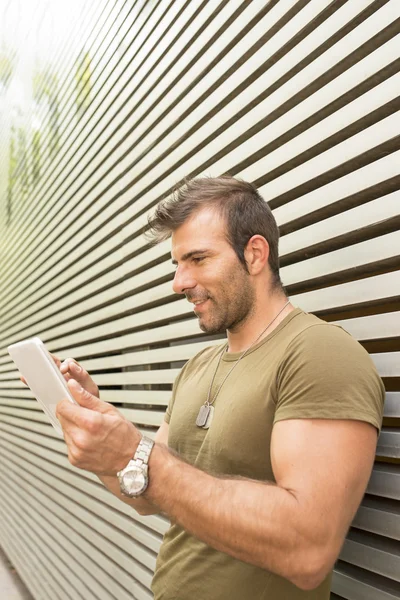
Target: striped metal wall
301, 98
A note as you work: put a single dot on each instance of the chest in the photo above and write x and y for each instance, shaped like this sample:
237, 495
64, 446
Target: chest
238, 439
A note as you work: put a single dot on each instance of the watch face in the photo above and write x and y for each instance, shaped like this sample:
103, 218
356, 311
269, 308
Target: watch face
134, 481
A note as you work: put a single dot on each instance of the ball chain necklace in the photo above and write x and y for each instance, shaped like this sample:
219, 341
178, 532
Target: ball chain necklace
206, 411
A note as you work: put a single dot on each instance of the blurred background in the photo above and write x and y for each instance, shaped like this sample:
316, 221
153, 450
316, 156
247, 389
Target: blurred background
104, 107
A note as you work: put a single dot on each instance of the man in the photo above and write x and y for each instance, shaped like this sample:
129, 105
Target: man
269, 438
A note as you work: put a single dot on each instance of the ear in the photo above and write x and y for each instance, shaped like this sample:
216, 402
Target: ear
256, 254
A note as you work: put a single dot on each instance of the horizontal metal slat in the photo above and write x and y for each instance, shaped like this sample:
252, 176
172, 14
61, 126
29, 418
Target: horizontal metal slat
53, 553
149, 44
131, 540
28, 565
102, 72
379, 560
43, 429
373, 327
389, 442
378, 287
363, 178
55, 297
144, 357
377, 517
24, 399
64, 249
345, 151
85, 489
105, 565
354, 585
124, 378
342, 224
130, 304
387, 363
370, 251
89, 23
392, 405
78, 182
89, 581
341, 295
141, 319
153, 397
362, 328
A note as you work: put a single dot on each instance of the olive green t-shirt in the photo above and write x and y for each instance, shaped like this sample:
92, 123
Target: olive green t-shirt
305, 368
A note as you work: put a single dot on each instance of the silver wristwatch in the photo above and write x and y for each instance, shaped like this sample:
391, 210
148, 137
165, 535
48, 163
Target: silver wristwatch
134, 479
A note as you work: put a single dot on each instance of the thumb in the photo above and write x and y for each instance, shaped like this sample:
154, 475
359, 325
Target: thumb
86, 399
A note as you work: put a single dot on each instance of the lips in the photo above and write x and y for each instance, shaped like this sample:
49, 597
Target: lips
198, 304
196, 301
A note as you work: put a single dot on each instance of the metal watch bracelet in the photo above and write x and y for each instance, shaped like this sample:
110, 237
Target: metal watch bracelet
142, 453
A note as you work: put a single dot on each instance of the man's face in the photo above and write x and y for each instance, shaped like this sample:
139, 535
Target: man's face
210, 274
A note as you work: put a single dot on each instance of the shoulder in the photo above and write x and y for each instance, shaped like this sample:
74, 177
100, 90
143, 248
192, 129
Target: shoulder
325, 354
318, 339
326, 373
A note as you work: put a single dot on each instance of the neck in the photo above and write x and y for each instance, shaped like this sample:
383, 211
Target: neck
241, 339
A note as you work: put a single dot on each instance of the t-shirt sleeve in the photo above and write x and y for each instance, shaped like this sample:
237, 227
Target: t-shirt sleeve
327, 374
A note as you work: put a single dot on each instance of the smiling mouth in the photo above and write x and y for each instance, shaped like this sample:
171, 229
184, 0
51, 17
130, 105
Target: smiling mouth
198, 303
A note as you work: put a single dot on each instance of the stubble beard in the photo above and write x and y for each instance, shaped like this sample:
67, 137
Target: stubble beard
234, 308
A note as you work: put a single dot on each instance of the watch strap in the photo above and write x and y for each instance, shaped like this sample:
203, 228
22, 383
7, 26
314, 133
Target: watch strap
143, 451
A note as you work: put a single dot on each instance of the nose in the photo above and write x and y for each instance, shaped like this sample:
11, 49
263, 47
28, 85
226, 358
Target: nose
183, 280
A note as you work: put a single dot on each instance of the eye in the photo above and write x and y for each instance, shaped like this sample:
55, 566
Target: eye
198, 259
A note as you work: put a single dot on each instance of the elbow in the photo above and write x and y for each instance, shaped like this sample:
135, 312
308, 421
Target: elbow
312, 569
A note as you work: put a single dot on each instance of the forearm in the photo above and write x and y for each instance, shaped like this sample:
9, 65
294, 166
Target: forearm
235, 516
142, 505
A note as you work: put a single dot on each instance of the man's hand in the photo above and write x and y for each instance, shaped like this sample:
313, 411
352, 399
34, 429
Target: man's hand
98, 437
73, 370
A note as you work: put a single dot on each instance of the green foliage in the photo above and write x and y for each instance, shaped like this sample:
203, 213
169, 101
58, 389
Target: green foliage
83, 80
45, 87
44, 84
6, 68
12, 172
23, 161
36, 156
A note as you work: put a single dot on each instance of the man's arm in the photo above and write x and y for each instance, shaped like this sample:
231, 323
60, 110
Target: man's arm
142, 505
295, 528
71, 369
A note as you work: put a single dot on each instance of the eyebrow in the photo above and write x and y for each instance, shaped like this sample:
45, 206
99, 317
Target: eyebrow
190, 254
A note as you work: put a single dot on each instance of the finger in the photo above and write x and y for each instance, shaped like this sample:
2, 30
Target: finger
56, 359
88, 400
72, 450
68, 364
73, 417
71, 369
22, 378
66, 413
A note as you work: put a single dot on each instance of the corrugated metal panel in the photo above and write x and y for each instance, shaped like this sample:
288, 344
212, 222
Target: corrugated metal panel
300, 97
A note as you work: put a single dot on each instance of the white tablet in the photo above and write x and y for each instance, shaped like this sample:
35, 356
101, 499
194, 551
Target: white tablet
43, 377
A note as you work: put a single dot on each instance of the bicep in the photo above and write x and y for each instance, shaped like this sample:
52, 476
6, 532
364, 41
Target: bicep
161, 436
326, 465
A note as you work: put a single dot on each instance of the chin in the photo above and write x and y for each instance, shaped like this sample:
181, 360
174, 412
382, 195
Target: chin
212, 328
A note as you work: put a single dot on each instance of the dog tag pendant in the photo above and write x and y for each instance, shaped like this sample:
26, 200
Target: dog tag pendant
209, 418
203, 415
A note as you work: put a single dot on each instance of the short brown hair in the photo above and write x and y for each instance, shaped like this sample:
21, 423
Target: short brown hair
245, 212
